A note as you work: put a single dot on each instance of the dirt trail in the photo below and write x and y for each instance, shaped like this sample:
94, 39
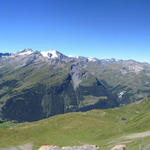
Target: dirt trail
137, 135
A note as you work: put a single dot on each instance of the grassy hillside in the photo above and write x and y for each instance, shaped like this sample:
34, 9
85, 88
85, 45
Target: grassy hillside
105, 128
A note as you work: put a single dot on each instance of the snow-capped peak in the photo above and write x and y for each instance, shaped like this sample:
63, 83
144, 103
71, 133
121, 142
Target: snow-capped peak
91, 59
49, 54
70, 56
25, 52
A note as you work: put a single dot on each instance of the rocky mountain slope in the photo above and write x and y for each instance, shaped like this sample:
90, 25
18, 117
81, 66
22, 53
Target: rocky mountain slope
36, 85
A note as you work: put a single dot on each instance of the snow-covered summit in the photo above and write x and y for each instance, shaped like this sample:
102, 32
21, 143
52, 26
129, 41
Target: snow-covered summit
91, 59
49, 54
25, 52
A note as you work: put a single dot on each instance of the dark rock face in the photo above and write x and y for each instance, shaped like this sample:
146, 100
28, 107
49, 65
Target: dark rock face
4, 54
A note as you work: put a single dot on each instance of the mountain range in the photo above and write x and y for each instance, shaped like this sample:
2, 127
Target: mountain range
36, 84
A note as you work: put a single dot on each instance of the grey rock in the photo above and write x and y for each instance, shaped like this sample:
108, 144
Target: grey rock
84, 147
49, 147
119, 147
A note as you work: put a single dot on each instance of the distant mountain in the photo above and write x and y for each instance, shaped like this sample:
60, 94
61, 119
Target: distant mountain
36, 85
4, 54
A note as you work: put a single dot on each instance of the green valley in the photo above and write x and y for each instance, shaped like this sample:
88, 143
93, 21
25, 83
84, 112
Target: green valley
129, 125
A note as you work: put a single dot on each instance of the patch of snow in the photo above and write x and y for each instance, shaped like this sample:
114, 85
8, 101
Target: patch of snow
73, 56
70, 56
135, 68
91, 59
27, 52
121, 94
49, 54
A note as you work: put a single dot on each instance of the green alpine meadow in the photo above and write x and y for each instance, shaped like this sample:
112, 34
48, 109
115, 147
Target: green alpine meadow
129, 125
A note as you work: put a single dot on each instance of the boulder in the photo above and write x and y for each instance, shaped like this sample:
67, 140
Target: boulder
49, 147
119, 147
83, 147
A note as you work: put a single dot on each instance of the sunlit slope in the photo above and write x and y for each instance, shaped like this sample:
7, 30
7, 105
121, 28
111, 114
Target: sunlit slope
105, 128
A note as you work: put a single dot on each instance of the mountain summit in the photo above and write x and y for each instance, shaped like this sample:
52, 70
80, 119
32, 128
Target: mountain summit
51, 54
25, 52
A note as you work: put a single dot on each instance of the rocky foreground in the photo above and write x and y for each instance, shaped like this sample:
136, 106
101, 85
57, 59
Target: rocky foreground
84, 147
29, 146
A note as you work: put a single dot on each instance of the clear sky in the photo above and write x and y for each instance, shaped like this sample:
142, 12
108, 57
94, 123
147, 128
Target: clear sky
96, 28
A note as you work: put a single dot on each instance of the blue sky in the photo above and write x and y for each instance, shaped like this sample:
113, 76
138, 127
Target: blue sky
96, 28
